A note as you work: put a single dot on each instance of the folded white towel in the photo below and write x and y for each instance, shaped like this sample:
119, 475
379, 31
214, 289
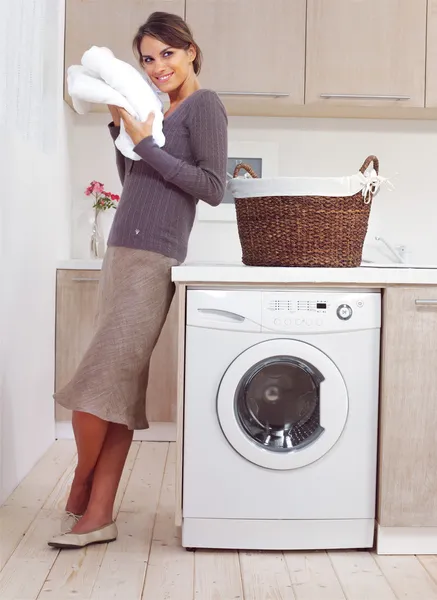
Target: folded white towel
104, 79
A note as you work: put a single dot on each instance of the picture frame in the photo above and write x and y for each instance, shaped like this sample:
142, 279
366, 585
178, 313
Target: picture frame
265, 155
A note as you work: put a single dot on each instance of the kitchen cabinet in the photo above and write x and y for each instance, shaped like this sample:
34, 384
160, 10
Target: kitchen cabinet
431, 56
366, 52
108, 23
408, 425
254, 53
342, 58
76, 305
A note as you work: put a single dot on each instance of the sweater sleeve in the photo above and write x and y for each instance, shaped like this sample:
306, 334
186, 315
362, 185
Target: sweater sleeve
206, 179
119, 158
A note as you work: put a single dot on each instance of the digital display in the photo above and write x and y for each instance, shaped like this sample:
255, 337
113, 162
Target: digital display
321, 305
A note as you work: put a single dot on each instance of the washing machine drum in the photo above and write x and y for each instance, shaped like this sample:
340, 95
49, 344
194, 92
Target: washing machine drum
282, 404
277, 402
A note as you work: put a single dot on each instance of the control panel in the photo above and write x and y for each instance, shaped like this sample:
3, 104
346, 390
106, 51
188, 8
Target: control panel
300, 311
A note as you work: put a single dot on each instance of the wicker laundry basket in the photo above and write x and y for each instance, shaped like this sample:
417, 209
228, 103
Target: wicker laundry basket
297, 222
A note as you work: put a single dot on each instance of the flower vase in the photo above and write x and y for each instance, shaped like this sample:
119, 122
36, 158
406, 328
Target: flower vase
98, 246
101, 228
106, 218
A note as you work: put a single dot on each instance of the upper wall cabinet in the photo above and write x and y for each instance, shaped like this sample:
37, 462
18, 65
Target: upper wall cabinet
110, 23
431, 58
254, 52
367, 52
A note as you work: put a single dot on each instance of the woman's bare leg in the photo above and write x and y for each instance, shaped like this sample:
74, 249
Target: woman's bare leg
106, 479
90, 433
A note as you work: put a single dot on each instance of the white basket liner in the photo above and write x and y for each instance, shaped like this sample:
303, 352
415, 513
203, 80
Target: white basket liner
247, 187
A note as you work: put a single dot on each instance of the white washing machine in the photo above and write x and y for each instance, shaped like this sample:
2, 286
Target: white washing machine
280, 423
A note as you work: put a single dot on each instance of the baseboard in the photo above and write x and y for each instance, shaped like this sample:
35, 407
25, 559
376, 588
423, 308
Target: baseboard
406, 540
157, 432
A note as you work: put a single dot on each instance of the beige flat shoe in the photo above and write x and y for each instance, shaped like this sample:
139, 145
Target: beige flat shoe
105, 534
68, 521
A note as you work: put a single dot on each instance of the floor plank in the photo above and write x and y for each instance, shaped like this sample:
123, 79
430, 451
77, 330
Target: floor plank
407, 577
33, 556
34, 490
25, 572
23, 505
74, 572
429, 562
360, 576
170, 573
122, 573
265, 576
217, 576
148, 562
313, 576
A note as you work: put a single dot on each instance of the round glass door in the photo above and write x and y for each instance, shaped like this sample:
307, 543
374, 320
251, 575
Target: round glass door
282, 404
277, 403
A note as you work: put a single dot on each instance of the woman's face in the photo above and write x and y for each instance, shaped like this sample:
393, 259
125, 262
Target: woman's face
167, 67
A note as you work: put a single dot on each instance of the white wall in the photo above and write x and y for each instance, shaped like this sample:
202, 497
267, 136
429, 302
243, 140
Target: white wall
407, 151
35, 206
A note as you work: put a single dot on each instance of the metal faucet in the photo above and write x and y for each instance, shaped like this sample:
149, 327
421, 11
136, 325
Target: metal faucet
397, 258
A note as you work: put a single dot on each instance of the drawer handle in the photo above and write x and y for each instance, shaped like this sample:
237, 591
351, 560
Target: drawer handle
365, 96
268, 94
426, 302
85, 279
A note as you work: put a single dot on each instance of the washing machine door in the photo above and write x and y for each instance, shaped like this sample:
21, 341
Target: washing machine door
282, 404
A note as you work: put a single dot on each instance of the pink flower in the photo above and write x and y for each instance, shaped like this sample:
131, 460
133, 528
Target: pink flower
95, 187
103, 199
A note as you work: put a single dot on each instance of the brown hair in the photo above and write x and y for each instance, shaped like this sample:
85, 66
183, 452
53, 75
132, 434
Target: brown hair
169, 29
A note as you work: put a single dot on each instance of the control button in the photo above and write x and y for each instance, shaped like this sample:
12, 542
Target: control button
360, 303
309, 322
344, 312
277, 321
319, 322
287, 322
298, 322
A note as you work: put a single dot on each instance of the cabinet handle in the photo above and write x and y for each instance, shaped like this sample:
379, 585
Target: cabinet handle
85, 279
426, 302
269, 94
365, 96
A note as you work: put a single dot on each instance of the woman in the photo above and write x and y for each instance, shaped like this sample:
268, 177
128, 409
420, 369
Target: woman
149, 236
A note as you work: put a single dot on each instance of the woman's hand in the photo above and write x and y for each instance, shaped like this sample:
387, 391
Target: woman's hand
114, 114
137, 130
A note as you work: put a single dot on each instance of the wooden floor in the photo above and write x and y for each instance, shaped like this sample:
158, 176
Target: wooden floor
147, 561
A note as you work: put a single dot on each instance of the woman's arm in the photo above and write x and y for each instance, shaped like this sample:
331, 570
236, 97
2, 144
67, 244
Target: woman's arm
206, 180
119, 158
114, 130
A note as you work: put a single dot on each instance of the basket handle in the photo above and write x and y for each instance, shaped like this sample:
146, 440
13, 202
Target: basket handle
370, 159
247, 168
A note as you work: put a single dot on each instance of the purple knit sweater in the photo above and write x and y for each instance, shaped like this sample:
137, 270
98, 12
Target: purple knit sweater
160, 192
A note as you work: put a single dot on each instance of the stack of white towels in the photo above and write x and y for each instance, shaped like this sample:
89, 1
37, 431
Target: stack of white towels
103, 79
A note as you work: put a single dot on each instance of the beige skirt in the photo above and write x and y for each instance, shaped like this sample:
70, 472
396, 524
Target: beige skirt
135, 293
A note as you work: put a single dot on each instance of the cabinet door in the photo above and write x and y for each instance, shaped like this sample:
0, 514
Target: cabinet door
408, 443
431, 56
366, 52
254, 52
111, 23
76, 305
162, 387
